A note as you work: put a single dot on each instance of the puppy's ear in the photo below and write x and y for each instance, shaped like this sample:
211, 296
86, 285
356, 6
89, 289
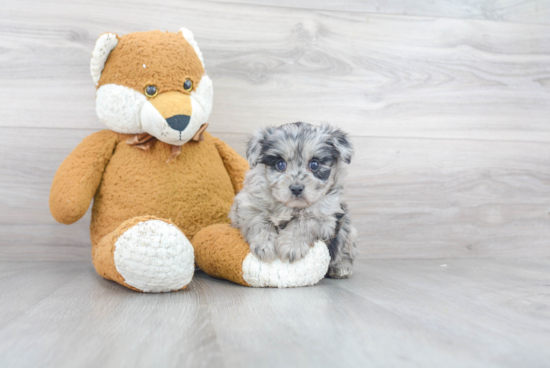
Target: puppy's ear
340, 141
255, 145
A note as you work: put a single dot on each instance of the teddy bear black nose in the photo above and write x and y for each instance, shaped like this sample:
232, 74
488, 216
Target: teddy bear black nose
178, 122
296, 189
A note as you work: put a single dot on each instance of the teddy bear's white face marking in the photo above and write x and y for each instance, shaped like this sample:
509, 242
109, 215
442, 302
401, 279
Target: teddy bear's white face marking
175, 112
119, 108
127, 111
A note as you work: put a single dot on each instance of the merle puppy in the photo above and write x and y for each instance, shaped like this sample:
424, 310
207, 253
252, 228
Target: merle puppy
292, 195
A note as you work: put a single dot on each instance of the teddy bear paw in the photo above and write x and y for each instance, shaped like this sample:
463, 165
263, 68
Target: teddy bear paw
154, 256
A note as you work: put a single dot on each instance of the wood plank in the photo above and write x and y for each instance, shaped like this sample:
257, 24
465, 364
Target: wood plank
450, 198
374, 75
92, 322
406, 313
409, 198
25, 284
321, 326
52, 242
494, 311
499, 10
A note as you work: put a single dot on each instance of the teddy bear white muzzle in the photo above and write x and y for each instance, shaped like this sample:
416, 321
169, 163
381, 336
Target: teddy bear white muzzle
127, 111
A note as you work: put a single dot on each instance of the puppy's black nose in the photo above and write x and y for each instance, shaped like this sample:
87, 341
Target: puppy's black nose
178, 122
296, 189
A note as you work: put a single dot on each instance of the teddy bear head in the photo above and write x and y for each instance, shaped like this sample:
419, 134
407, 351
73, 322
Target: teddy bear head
152, 82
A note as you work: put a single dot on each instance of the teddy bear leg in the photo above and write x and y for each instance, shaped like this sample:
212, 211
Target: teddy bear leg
222, 252
145, 254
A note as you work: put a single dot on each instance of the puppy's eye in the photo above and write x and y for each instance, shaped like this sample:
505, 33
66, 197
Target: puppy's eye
313, 165
187, 85
151, 90
280, 165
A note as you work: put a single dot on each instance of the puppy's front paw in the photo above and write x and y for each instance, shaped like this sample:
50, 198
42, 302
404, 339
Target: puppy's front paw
291, 251
264, 251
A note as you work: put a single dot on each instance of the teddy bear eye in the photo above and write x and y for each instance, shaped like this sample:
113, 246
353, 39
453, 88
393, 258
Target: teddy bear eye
151, 90
281, 165
313, 165
187, 85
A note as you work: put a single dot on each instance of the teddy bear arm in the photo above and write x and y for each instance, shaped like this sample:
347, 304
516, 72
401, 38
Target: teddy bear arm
235, 165
79, 175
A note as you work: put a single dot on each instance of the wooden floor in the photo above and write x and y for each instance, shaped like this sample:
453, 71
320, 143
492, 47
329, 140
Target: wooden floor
448, 105
391, 313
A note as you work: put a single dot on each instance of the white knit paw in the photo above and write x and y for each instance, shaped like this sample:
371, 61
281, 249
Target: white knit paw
154, 256
307, 271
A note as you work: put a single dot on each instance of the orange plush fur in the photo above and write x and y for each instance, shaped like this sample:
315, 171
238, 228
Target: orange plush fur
141, 59
194, 190
130, 185
220, 251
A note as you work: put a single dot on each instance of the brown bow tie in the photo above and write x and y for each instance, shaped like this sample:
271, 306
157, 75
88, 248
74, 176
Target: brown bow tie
145, 141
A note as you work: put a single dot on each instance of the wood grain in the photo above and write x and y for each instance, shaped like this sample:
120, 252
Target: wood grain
374, 75
406, 313
500, 10
450, 198
38, 280
91, 322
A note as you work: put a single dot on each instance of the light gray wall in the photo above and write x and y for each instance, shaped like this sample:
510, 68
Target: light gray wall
448, 105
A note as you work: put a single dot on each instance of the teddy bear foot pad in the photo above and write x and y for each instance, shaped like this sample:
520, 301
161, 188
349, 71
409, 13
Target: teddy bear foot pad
154, 256
146, 254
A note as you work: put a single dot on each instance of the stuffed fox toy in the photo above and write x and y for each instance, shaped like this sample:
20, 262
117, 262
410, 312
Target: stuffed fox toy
156, 177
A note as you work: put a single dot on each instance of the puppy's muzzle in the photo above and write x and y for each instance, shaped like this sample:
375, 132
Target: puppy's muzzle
297, 189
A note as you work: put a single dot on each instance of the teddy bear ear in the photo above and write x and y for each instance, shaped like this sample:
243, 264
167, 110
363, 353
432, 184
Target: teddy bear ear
103, 47
188, 35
